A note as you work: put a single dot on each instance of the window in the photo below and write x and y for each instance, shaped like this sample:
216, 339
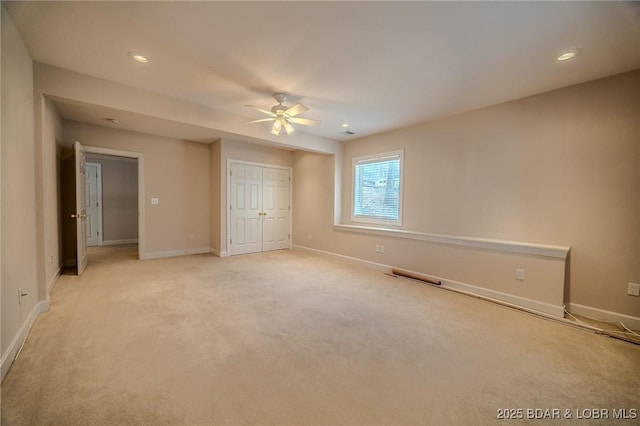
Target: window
377, 188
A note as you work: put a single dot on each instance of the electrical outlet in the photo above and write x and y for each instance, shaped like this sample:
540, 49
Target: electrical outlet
382, 249
520, 274
20, 296
633, 289
377, 248
155, 201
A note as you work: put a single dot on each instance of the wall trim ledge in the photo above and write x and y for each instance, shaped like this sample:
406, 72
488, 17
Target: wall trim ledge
556, 252
175, 253
603, 315
10, 354
523, 303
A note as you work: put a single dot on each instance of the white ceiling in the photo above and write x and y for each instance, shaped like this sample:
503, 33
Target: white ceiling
374, 65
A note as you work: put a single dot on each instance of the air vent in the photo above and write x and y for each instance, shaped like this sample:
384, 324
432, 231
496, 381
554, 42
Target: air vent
349, 133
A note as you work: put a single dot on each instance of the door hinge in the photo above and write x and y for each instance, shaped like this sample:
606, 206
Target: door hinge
289, 236
230, 207
289, 207
231, 173
230, 241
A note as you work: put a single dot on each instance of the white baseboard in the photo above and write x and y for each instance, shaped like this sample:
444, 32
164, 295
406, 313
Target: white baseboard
492, 295
219, 253
53, 281
119, 242
174, 253
10, 354
602, 315
373, 265
525, 303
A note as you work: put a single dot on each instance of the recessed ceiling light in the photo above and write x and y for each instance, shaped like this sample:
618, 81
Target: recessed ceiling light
137, 57
344, 125
569, 54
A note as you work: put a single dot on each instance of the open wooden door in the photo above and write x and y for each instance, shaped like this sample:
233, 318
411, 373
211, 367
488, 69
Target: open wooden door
80, 214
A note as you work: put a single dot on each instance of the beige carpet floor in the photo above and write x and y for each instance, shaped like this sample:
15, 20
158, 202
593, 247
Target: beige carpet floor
292, 338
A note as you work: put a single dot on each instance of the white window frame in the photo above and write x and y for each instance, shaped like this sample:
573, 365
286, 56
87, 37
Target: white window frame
372, 158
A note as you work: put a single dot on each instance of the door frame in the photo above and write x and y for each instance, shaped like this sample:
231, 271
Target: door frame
141, 213
98, 196
227, 250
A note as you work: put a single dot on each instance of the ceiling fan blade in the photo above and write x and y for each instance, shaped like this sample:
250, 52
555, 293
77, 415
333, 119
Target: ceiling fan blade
259, 121
296, 109
288, 127
304, 121
265, 111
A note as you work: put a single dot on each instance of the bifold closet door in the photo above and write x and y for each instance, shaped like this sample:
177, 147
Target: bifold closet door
276, 209
245, 209
259, 210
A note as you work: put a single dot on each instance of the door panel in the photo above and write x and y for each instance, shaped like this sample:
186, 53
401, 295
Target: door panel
80, 214
92, 202
277, 211
244, 212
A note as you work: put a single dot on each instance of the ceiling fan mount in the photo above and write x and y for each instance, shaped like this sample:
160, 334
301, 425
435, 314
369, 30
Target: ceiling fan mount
283, 116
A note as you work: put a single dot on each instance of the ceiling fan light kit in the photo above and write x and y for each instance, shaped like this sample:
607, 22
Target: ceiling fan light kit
283, 116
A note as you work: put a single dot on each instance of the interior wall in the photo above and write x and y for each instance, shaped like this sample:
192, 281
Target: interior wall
51, 190
119, 199
557, 168
176, 172
18, 235
245, 151
216, 189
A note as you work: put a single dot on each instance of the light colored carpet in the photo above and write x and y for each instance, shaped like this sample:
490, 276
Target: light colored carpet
291, 338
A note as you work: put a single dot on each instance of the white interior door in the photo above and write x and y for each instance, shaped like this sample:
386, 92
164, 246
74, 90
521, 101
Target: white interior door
259, 208
80, 214
93, 204
276, 209
245, 212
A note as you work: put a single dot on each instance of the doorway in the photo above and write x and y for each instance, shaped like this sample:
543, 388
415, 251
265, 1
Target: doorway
128, 199
259, 207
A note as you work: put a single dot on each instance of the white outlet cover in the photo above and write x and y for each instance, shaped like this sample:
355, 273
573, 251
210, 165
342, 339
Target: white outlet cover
155, 201
633, 289
520, 274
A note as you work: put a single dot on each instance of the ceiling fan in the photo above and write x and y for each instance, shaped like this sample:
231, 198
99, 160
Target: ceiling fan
283, 116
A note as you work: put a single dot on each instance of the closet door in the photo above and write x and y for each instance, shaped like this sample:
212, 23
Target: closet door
276, 209
245, 209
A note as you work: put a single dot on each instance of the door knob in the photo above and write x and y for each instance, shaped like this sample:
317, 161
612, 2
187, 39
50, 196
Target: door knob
78, 216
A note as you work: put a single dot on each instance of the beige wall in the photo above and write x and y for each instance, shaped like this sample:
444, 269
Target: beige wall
176, 172
215, 208
557, 168
51, 191
245, 151
18, 235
